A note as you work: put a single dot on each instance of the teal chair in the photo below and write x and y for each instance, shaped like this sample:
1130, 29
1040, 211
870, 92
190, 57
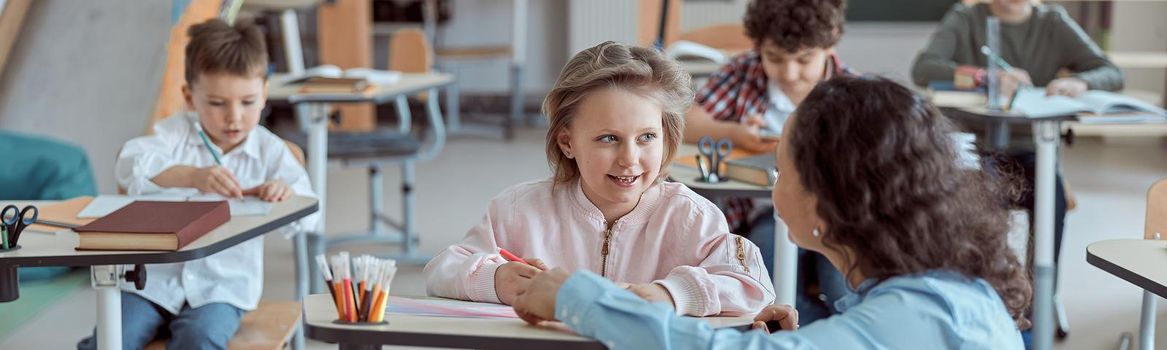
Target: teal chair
39, 168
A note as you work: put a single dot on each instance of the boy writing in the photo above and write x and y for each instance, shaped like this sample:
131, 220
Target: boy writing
217, 149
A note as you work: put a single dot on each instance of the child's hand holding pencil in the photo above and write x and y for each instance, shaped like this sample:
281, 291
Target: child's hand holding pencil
512, 278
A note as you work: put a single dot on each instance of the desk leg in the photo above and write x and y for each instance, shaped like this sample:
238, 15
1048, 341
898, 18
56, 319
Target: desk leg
317, 172
317, 129
318, 154
453, 106
518, 61
1147, 322
785, 265
997, 134
105, 279
1046, 135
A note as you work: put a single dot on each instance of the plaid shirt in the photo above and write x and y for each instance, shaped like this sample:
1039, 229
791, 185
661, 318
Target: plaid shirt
736, 91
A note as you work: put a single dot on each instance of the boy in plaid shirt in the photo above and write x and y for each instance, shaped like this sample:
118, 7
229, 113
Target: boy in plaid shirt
753, 95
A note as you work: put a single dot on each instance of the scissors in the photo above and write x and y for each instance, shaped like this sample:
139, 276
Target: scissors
16, 222
716, 153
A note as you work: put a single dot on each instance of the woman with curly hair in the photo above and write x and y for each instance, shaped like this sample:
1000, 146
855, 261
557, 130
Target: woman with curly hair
870, 179
752, 95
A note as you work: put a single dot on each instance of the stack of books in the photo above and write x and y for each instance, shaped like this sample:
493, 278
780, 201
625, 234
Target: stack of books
329, 79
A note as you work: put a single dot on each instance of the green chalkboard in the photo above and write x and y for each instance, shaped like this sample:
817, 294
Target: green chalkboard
897, 10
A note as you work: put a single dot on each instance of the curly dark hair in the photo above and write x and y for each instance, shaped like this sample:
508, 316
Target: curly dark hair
795, 24
884, 168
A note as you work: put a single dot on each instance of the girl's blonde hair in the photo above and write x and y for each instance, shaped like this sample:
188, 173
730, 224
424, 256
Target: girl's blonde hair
610, 64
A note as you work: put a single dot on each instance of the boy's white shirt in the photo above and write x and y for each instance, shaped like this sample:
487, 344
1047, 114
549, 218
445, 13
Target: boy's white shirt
778, 108
233, 275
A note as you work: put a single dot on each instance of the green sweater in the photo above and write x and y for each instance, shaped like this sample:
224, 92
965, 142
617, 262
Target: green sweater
1042, 45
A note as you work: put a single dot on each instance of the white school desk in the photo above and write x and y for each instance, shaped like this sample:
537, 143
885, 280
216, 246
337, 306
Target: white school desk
1142, 262
453, 332
316, 124
784, 273
1046, 135
699, 68
58, 249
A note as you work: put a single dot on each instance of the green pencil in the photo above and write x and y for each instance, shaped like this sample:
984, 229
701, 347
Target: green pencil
207, 141
996, 59
4, 237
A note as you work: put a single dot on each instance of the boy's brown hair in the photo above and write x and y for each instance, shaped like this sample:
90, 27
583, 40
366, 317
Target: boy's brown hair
217, 47
795, 24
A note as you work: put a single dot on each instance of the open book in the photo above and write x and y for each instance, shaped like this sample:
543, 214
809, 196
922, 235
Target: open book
330, 78
1107, 107
691, 51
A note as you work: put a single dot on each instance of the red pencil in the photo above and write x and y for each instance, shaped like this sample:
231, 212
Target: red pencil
511, 257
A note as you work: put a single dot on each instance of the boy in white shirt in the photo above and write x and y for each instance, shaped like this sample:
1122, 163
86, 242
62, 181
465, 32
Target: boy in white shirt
199, 303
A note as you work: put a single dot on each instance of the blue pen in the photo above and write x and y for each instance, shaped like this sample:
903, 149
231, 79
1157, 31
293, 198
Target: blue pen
207, 142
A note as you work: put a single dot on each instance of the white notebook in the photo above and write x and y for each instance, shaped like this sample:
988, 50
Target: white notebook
1035, 104
688, 50
372, 76
104, 204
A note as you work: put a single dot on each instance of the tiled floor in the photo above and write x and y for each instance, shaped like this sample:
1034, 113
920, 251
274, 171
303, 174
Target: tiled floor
1109, 178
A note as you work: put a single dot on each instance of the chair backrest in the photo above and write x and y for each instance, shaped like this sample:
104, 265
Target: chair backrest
726, 37
409, 52
296, 152
40, 168
648, 22
1156, 210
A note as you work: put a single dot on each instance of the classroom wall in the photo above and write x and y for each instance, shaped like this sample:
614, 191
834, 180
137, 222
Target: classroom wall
87, 72
93, 67
488, 22
1139, 26
871, 47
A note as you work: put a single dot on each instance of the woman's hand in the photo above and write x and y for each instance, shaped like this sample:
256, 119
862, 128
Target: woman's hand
652, 292
537, 303
783, 316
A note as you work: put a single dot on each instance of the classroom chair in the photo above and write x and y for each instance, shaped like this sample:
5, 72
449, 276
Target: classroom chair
262, 328
40, 168
730, 38
268, 327
1156, 229
410, 53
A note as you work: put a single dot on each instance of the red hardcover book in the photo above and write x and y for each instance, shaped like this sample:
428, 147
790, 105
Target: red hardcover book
151, 225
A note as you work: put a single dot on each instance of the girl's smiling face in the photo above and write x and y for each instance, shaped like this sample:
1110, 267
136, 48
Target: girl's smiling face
617, 142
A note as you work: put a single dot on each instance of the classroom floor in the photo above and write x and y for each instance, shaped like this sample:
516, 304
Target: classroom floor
1110, 179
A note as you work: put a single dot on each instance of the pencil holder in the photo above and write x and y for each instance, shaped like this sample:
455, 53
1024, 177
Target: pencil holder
359, 287
9, 282
339, 321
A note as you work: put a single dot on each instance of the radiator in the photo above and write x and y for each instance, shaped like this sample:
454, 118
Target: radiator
590, 22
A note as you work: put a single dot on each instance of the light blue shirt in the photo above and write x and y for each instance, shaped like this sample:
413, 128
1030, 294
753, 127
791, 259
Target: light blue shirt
935, 310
